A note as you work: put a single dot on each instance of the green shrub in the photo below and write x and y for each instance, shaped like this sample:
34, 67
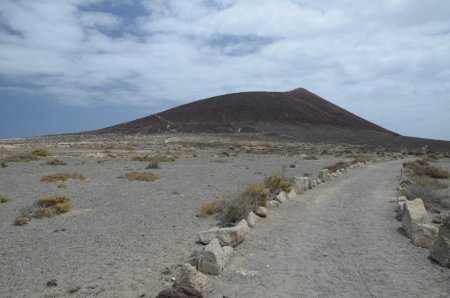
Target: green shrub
41, 153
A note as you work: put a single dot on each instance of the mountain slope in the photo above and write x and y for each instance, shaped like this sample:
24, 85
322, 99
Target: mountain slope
248, 112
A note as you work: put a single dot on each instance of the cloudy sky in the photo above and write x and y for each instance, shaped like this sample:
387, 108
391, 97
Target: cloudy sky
75, 65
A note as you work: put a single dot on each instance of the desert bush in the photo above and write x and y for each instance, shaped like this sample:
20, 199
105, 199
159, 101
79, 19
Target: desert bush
428, 195
236, 207
426, 181
338, 166
211, 207
310, 157
276, 183
41, 153
21, 221
60, 177
3, 164
158, 158
3, 199
436, 172
52, 205
361, 159
56, 162
154, 164
259, 194
140, 176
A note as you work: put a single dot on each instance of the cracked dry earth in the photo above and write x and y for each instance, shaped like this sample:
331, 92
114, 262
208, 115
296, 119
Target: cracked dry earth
338, 240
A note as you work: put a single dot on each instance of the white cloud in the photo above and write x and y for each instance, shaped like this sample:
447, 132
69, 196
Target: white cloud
376, 58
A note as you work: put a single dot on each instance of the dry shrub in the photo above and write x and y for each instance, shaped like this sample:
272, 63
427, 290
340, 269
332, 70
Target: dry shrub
158, 158
154, 164
236, 207
56, 162
140, 176
41, 153
211, 207
276, 183
425, 181
338, 166
310, 157
3, 199
361, 158
21, 221
3, 164
258, 193
60, 177
53, 205
421, 168
428, 196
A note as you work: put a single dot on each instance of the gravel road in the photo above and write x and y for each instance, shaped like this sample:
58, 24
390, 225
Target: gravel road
338, 240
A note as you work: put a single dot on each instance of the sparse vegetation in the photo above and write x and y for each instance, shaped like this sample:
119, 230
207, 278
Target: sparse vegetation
3, 164
3, 199
52, 283
219, 160
236, 207
361, 158
41, 153
276, 183
56, 162
422, 168
53, 205
310, 157
154, 164
258, 193
141, 176
60, 177
338, 166
428, 195
73, 290
21, 221
425, 181
158, 158
211, 207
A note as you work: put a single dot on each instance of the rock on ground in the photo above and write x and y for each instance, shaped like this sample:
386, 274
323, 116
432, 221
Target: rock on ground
214, 258
189, 277
281, 197
273, 204
251, 219
179, 292
416, 224
440, 250
292, 194
324, 175
261, 211
227, 236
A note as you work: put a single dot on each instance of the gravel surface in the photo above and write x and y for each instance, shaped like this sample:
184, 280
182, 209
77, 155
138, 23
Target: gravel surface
119, 236
338, 240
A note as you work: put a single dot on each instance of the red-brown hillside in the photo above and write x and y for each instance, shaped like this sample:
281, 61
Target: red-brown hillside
249, 112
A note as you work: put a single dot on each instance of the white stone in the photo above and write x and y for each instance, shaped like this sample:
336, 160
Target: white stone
281, 197
324, 175
273, 204
252, 218
261, 211
416, 223
292, 194
214, 258
189, 276
231, 236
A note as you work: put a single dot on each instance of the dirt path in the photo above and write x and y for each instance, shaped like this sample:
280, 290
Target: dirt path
339, 240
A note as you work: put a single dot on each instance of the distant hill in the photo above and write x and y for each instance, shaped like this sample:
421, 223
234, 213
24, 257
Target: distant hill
296, 115
247, 112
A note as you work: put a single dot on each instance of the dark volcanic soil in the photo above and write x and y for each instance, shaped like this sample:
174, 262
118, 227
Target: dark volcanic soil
248, 112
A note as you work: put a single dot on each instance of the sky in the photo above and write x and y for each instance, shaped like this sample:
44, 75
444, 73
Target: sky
77, 65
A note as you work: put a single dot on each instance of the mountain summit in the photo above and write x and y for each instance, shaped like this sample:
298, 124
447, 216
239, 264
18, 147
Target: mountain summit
249, 112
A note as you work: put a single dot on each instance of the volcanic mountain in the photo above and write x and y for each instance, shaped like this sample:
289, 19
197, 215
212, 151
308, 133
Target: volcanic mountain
262, 112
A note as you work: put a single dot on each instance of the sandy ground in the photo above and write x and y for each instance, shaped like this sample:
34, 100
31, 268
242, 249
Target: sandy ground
339, 240
120, 236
